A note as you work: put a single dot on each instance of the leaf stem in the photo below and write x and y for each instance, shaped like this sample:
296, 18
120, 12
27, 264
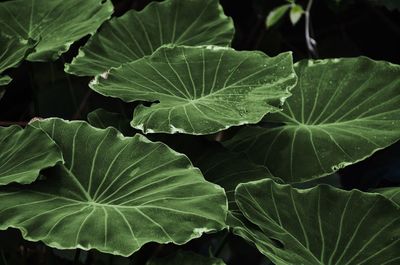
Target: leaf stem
310, 41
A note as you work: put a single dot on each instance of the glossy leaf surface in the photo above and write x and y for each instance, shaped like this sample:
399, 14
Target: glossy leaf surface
201, 90
55, 24
138, 34
24, 152
113, 194
341, 112
317, 226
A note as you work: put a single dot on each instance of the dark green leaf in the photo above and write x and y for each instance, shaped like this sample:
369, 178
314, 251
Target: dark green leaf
12, 51
318, 226
113, 194
137, 34
102, 119
24, 152
341, 112
201, 90
392, 194
55, 24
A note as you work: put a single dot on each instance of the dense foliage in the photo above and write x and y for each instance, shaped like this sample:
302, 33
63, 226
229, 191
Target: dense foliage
161, 132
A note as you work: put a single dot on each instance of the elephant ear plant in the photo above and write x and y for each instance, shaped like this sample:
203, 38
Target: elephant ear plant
112, 184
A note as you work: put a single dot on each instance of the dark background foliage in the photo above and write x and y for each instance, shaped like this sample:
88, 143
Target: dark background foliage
348, 29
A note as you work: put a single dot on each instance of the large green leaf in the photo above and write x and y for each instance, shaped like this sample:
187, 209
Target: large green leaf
24, 152
201, 90
54, 24
185, 258
113, 194
318, 226
341, 111
137, 34
392, 193
12, 51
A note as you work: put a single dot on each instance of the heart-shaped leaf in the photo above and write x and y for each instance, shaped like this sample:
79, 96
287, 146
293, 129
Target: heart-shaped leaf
55, 24
24, 152
318, 226
341, 112
201, 90
113, 194
137, 34
12, 51
186, 258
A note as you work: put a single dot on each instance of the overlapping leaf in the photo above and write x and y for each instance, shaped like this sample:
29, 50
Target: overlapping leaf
201, 90
341, 111
12, 51
24, 152
54, 24
229, 169
102, 119
318, 226
186, 258
113, 194
137, 34
392, 193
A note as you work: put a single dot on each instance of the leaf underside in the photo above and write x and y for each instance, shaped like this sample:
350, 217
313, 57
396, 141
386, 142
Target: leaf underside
201, 90
317, 226
130, 191
138, 34
341, 112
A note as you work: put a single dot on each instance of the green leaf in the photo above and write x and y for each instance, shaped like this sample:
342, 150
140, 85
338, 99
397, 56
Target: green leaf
12, 51
392, 193
113, 194
24, 152
201, 90
229, 169
4, 80
276, 14
102, 119
318, 226
296, 11
186, 258
341, 112
54, 24
137, 34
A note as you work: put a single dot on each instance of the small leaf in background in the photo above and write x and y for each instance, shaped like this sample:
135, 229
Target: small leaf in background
55, 24
185, 258
113, 194
202, 89
24, 152
321, 225
275, 15
296, 11
341, 112
137, 34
